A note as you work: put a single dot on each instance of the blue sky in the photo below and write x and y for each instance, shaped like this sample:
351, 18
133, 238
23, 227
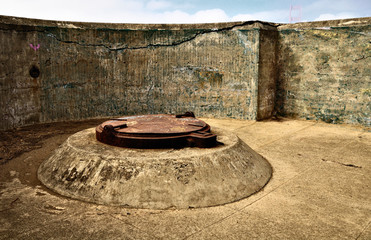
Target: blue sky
184, 11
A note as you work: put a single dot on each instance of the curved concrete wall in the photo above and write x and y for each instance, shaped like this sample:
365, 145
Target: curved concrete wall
55, 71
325, 71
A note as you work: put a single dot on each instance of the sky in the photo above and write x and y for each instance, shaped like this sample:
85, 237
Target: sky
186, 11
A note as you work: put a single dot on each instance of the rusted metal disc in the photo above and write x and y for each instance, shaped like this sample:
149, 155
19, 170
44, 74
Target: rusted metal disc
156, 131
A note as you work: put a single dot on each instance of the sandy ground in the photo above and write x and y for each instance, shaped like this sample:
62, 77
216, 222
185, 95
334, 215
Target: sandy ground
39, 141
320, 189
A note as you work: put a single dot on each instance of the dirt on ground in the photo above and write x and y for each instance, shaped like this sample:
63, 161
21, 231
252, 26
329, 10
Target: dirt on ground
38, 141
319, 189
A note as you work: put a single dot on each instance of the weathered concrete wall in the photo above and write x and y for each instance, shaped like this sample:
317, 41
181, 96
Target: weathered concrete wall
19, 93
325, 71
267, 73
245, 70
94, 70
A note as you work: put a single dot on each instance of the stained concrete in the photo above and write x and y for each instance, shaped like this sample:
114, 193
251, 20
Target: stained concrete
92, 70
320, 189
243, 70
84, 168
324, 71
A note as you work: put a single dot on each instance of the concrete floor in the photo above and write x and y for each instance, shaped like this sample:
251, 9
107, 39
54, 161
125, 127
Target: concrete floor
320, 189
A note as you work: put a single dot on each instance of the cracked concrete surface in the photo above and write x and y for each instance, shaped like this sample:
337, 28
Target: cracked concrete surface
176, 42
320, 189
89, 70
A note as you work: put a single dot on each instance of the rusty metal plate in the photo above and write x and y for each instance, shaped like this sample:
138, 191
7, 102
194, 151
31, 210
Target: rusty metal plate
156, 131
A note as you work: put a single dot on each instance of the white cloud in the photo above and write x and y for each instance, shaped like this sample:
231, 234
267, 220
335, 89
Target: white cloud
212, 15
204, 16
123, 11
269, 16
340, 9
166, 11
172, 17
329, 16
334, 6
158, 4
77, 10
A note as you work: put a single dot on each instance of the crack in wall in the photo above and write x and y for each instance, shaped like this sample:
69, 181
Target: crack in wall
175, 43
361, 58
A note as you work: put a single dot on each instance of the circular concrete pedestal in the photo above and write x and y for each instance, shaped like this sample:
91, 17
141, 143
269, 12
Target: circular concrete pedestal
85, 169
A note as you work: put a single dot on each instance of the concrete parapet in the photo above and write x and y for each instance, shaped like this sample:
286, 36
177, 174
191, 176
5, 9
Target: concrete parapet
55, 71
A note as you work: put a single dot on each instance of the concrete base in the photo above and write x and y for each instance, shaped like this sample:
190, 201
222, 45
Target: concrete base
320, 189
85, 169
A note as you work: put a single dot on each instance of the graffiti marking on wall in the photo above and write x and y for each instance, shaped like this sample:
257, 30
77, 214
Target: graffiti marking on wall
35, 47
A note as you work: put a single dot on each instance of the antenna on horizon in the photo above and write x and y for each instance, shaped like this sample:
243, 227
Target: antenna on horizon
295, 13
